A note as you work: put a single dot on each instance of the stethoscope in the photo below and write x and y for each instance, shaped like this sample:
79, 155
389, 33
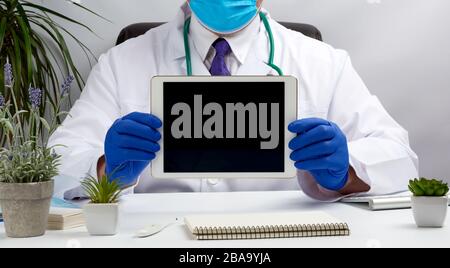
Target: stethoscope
265, 21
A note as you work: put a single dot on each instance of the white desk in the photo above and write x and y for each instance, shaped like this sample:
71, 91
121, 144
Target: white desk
369, 229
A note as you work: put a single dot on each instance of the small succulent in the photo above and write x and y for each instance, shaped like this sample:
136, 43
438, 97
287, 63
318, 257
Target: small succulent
426, 187
103, 191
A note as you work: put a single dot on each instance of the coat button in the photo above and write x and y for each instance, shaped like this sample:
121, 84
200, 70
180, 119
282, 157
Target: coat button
213, 181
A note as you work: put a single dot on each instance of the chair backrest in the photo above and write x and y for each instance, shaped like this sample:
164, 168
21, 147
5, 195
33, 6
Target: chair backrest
138, 29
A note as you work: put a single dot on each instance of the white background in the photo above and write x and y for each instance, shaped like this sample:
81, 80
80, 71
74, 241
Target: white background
401, 48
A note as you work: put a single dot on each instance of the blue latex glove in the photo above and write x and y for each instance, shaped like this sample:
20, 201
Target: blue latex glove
130, 146
321, 149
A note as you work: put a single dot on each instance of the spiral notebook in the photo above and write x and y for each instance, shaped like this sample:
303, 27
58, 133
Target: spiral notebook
265, 226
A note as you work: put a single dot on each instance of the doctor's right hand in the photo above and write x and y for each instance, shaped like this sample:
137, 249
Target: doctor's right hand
130, 145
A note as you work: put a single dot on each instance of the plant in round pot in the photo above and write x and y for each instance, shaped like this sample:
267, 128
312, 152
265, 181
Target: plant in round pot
26, 188
429, 202
27, 166
102, 213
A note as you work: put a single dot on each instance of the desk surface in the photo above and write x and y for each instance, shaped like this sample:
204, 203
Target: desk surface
394, 228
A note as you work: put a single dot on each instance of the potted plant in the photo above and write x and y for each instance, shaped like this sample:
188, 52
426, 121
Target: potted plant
33, 51
26, 189
102, 213
27, 166
429, 202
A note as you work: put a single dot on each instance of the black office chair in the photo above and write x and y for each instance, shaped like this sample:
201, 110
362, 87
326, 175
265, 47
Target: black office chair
138, 29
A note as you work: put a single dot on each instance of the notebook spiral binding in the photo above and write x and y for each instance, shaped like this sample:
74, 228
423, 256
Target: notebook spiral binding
264, 232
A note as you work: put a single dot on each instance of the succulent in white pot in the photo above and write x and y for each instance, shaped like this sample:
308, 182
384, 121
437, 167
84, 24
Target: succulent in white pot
102, 213
429, 202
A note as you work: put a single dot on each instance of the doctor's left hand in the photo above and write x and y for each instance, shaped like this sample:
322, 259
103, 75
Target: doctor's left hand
130, 145
321, 149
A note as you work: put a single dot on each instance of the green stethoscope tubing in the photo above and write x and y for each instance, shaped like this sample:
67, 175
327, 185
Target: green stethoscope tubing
187, 48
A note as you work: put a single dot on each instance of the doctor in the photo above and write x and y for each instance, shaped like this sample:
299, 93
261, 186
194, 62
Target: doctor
347, 143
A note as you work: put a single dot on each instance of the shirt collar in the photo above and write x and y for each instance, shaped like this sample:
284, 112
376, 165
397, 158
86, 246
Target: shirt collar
240, 42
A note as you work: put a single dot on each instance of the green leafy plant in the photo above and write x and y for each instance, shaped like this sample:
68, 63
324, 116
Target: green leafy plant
426, 187
102, 191
34, 45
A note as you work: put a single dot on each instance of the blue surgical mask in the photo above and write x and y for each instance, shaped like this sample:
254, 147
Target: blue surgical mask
224, 16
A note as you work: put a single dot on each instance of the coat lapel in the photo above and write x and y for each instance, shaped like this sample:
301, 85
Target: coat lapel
254, 65
176, 48
198, 67
257, 58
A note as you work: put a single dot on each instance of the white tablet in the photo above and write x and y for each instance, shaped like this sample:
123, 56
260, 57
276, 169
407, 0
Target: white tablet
224, 127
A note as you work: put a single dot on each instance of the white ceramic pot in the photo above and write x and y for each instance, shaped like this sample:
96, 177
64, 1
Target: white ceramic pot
102, 219
429, 211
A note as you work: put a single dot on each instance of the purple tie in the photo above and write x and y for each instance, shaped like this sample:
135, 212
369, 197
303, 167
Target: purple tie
218, 66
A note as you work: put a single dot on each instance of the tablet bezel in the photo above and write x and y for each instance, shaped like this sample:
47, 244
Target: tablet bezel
291, 114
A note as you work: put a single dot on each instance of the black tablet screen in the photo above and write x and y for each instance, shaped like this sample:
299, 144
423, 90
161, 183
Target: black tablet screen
220, 127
